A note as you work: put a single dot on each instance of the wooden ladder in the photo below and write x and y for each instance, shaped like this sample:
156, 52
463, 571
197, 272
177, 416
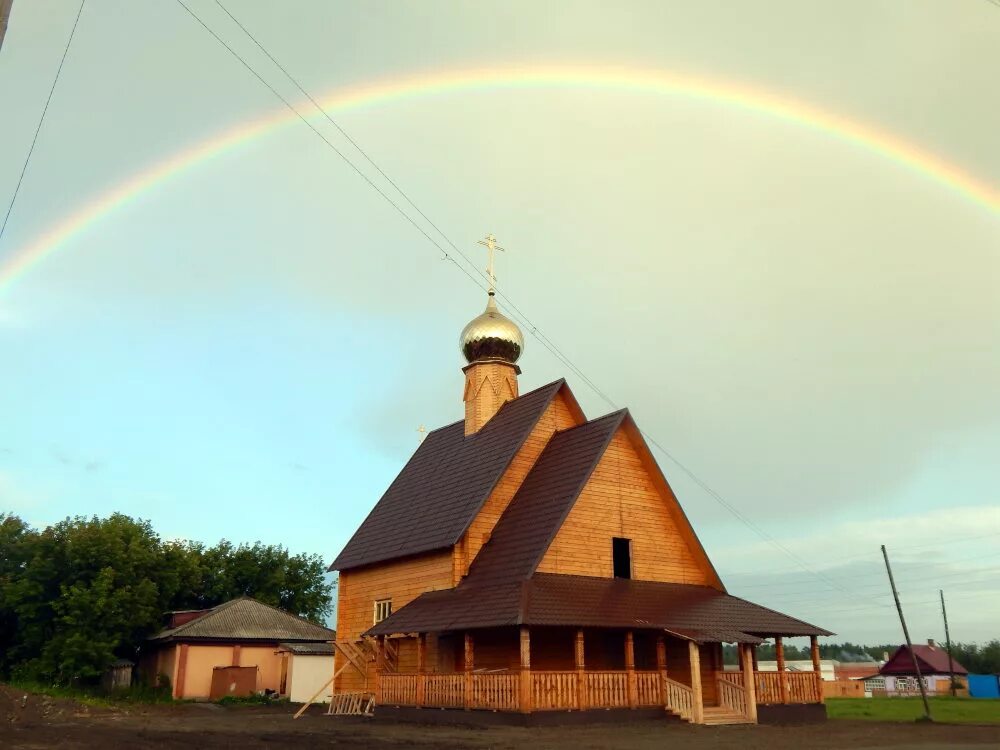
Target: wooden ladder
352, 704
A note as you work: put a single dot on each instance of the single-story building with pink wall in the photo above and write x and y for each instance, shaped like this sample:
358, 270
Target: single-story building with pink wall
237, 648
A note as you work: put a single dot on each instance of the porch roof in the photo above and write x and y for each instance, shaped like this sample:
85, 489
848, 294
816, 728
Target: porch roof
700, 613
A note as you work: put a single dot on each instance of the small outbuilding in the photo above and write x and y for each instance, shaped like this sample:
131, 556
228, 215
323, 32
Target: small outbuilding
237, 648
306, 667
898, 677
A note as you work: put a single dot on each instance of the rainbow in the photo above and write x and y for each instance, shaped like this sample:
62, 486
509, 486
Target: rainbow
642, 81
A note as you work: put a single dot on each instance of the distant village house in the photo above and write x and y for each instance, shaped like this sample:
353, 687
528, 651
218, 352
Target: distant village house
238, 648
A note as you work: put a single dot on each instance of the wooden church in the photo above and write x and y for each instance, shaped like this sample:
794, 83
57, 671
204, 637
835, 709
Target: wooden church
528, 559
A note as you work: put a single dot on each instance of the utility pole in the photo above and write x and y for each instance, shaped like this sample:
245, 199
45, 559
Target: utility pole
906, 634
947, 641
4, 16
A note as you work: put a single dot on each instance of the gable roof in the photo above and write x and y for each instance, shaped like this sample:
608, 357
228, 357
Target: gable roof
542, 502
445, 483
503, 589
699, 613
538, 509
933, 660
246, 619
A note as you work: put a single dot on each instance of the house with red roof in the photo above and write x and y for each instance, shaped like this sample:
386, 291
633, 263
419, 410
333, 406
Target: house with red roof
899, 676
529, 561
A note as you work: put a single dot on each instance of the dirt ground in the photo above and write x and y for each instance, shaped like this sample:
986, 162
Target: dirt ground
39, 722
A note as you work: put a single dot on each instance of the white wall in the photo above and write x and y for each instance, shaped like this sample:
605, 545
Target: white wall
307, 674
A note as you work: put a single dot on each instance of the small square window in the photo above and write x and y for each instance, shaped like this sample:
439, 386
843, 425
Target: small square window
383, 608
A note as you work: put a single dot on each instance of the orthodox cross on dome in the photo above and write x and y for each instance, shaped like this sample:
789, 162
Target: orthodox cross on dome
490, 243
423, 432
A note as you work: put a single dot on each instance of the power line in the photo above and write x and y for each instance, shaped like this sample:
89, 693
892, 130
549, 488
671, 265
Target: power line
508, 303
38, 129
533, 329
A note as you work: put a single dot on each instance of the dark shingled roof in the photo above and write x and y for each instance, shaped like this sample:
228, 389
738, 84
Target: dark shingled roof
502, 588
700, 613
542, 502
246, 619
443, 486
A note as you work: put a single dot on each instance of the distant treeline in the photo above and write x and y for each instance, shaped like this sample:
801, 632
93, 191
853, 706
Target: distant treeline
79, 594
977, 659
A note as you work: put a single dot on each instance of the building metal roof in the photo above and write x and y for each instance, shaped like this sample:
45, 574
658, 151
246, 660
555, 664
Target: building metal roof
246, 619
503, 589
444, 485
700, 613
933, 660
307, 649
542, 502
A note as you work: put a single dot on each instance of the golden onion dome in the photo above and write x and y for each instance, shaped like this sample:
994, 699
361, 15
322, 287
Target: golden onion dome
491, 336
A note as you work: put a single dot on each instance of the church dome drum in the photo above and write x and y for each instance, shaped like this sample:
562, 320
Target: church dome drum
491, 336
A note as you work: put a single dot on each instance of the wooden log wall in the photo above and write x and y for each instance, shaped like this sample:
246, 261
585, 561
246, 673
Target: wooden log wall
402, 582
621, 499
560, 415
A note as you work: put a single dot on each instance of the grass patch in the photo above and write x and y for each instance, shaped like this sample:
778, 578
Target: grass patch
96, 696
945, 710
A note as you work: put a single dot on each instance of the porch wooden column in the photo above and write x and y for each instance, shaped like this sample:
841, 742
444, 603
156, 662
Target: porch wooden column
749, 679
697, 699
581, 676
661, 666
525, 693
469, 663
633, 686
379, 657
814, 650
421, 668
779, 654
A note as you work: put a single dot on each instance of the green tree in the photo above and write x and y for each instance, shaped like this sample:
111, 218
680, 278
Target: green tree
84, 591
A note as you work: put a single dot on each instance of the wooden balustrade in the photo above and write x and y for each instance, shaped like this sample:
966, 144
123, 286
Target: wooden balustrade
733, 697
680, 699
649, 688
799, 687
397, 690
802, 687
768, 687
554, 690
733, 676
445, 690
498, 692
560, 690
607, 689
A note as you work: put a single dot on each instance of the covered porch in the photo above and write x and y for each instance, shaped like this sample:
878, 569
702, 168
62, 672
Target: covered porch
533, 669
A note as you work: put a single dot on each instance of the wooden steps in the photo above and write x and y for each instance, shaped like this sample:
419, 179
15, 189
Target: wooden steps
718, 715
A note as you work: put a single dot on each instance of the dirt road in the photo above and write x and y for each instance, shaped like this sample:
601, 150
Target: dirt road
40, 722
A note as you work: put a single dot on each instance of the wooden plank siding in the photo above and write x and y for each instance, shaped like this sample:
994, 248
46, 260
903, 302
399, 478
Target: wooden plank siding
401, 581
621, 499
560, 415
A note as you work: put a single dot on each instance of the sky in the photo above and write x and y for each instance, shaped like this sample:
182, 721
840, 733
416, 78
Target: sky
244, 349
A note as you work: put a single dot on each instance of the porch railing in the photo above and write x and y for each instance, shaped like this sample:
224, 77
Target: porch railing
498, 692
680, 699
649, 688
780, 687
607, 689
572, 690
733, 697
440, 690
554, 690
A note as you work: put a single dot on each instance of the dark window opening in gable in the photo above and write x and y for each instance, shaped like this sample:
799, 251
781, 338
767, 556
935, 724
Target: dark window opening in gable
621, 552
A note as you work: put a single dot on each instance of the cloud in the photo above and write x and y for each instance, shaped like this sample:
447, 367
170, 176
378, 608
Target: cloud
847, 590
